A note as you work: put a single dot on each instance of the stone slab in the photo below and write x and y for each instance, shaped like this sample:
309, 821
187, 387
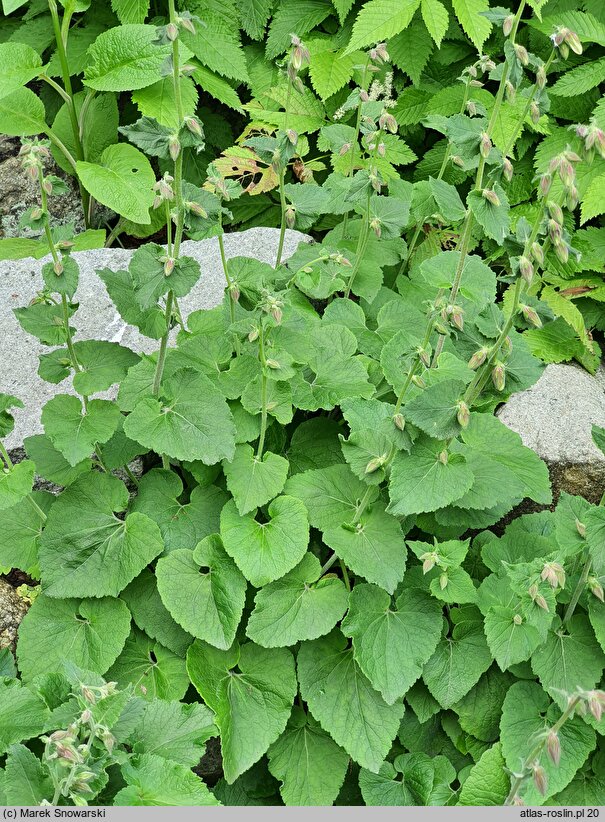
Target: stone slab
555, 417
97, 317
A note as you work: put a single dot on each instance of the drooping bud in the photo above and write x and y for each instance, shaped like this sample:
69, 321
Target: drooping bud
457, 160
464, 415
36, 213
554, 574
537, 253
443, 581
499, 376
253, 335
540, 77
553, 747
290, 215
573, 41
273, 364
562, 251
387, 122
418, 381
195, 208
169, 264
554, 230
507, 25
234, 293
456, 317
47, 185
485, 145
471, 107
58, 267
429, 560
511, 92
522, 55
518, 619
376, 463
555, 211
443, 457
424, 356
194, 126
86, 716
581, 528
478, 358
534, 112
595, 588
490, 195
187, 24
88, 695
174, 147
172, 31
596, 703
376, 227
399, 421
344, 149
545, 184
540, 779
507, 169
526, 269
531, 315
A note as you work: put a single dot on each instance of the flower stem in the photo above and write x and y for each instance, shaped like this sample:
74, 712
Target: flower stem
263, 389
282, 193
579, 589
355, 143
159, 369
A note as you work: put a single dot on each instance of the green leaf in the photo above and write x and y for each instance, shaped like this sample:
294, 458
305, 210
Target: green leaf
99, 119
151, 616
74, 431
154, 671
252, 705
125, 58
85, 549
181, 524
7, 421
102, 364
592, 203
16, 483
44, 321
494, 219
153, 780
25, 782
475, 25
157, 103
23, 715
90, 633
151, 322
204, 591
64, 283
21, 530
218, 88
298, 16
308, 763
122, 180
175, 731
411, 49
344, 702
526, 712
252, 481
131, 11
454, 586
330, 71
487, 783
435, 410
374, 547
193, 420
479, 711
457, 664
509, 641
217, 46
408, 781
581, 79
22, 114
571, 658
314, 444
301, 605
379, 20
265, 551
421, 482
436, 19
18, 65
406, 635
330, 494
254, 16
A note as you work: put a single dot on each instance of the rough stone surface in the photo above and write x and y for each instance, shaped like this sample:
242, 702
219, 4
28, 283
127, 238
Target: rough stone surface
97, 317
555, 417
12, 611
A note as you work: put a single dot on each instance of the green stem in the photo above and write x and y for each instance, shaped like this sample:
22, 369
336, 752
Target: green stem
159, 369
362, 244
178, 164
60, 91
62, 148
537, 751
9, 464
345, 575
168, 228
282, 193
114, 233
355, 144
263, 419
518, 128
575, 597
131, 476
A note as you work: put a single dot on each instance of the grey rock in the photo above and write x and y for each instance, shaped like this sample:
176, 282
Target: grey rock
97, 317
12, 610
554, 418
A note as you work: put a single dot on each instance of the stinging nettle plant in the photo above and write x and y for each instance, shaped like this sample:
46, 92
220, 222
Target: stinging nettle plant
322, 463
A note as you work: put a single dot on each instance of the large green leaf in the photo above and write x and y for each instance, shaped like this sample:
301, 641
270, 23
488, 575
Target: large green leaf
344, 702
301, 605
153, 780
407, 781
192, 420
380, 19
154, 671
23, 714
307, 761
252, 481
204, 591
175, 731
125, 58
487, 783
86, 550
472, 20
406, 634
252, 705
50, 463
75, 430
265, 551
122, 180
19, 64
21, 530
25, 781
90, 633
22, 114
15, 483
511, 638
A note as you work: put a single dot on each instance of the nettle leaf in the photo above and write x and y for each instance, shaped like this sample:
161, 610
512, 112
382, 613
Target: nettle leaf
182, 524
421, 482
308, 763
44, 321
21, 530
122, 180
265, 551
154, 671
472, 20
380, 19
252, 481
153, 780
85, 549
458, 663
73, 430
151, 615
301, 605
493, 217
252, 705
344, 702
315, 444
131, 11
406, 633
16, 483
408, 781
90, 633
158, 102
204, 591
125, 58
374, 547
23, 714
527, 711
570, 658
436, 19
479, 711
192, 420
175, 731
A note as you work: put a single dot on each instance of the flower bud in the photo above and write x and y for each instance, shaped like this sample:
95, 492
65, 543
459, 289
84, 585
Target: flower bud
457, 160
595, 588
555, 211
375, 464
554, 574
387, 122
499, 376
272, 364
553, 747
485, 145
187, 24
531, 315
364, 96
518, 619
478, 358
194, 126
511, 92
169, 264
277, 314
172, 32
457, 318
174, 147
573, 41
47, 185
108, 740
36, 213
292, 136
526, 268
429, 560
554, 230
581, 528
545, 184
88, 695
562, 251
290, 215
534, 112
399, 421
537, 253
567, 172
507, 169
58, 268
507, 25
522, 55
234, 292
424, 356
463, 416
195, 208
443, 581
33, 172
86, 716
253, 335
471, 108
540, 779
418, 381
344, 149
596, 702
375, 226
490, 195
443, 457
540, 77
